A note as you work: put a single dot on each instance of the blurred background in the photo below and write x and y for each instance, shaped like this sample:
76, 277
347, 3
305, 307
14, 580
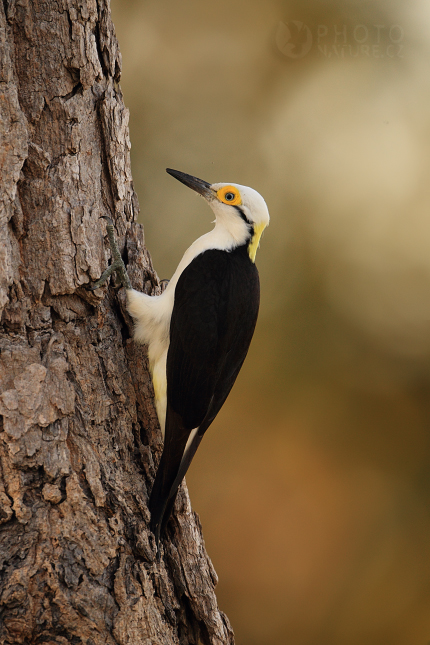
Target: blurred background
313, 484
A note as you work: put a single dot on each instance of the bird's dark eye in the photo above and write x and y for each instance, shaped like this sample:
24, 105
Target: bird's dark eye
229, 197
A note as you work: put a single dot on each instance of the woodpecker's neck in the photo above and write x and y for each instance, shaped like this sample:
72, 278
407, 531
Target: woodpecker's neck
239, 232
254, 241
234, 229
222, 237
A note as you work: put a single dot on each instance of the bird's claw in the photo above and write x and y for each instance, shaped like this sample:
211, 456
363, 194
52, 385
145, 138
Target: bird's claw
117, 262
105, 275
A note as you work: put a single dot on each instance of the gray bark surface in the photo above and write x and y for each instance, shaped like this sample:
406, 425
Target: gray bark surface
79, 436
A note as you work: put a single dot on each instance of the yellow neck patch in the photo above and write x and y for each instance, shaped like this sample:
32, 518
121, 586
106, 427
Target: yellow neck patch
255, 241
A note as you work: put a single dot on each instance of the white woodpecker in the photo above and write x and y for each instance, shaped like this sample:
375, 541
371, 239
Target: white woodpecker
199, 329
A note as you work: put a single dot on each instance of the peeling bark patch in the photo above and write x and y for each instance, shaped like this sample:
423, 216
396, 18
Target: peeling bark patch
40, 397
34, 411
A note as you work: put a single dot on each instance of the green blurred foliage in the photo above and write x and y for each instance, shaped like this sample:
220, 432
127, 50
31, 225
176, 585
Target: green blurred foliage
313, 482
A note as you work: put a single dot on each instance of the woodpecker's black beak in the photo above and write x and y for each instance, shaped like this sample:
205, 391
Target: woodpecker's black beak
201, 187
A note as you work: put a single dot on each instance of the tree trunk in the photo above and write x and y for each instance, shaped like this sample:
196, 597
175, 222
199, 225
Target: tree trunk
79, 432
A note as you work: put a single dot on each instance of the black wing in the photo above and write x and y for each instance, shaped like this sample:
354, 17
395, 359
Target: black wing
213, 320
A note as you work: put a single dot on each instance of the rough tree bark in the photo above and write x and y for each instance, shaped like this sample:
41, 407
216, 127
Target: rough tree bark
79, 434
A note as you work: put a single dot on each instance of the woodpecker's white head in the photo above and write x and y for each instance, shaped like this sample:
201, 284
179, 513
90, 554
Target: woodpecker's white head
239, 209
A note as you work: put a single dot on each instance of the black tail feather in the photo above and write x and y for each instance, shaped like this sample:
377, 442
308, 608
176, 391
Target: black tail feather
167, 481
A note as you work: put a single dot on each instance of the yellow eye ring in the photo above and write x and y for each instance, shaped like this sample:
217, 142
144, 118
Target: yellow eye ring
229, 195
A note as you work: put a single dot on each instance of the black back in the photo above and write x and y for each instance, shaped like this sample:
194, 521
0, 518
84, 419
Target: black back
214, 315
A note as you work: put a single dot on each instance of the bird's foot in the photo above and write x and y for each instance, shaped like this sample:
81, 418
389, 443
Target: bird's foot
117, 262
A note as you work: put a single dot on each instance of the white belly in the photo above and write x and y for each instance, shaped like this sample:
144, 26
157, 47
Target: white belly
152, 323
